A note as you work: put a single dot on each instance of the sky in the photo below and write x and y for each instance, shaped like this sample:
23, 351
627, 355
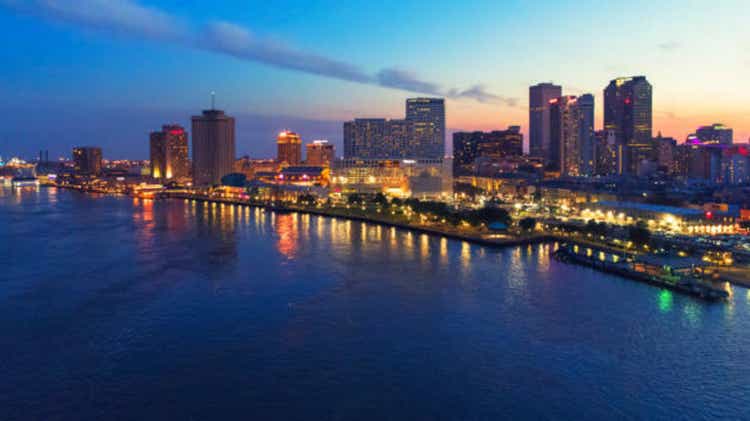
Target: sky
107, 72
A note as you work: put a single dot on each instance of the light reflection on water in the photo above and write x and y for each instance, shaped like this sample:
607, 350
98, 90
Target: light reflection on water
185, 291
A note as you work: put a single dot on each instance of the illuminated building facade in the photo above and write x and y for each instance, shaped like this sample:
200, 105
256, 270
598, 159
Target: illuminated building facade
628, 111
364, 138
736, 164
420, 136
87, 160
289, 148
663, 218
427, 116
421, 178
169, 153
304, 175
250, 167
714, 134
539, 125
213, 147
378, 138
320, 153
572, 133
495, 146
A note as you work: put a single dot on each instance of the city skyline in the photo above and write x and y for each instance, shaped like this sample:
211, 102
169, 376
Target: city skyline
489, 95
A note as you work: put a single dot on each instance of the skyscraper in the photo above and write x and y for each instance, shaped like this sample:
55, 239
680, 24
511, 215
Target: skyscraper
213, 147
289, 148
587, 135
87, 160
572, 144
539, 136
320, 153
169, 153
628, 111
427, 116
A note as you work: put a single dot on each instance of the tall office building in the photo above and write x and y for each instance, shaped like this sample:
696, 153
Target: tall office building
427, 116
587, 135
213, 147
320, 153
539, 136
572, 137
169, 153
288, 148
628, 111
87, 160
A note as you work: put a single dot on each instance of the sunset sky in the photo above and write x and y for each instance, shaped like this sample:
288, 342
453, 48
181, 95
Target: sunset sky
107, 72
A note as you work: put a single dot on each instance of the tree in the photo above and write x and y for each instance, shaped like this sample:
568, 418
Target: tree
354, 199
380, 199
307, 199
527, 224
639, 233
488, 215
745, 225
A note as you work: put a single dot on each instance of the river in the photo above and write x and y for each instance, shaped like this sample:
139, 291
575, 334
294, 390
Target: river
118, 308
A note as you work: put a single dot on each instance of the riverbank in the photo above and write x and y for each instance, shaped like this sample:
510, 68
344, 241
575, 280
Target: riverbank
469, 234
499, 240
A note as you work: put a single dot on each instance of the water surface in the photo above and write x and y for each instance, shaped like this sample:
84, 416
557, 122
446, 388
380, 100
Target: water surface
115, 308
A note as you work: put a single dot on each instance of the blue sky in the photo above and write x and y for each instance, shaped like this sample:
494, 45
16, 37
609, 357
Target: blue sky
107, 72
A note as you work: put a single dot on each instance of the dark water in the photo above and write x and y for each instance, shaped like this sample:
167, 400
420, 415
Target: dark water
112, 308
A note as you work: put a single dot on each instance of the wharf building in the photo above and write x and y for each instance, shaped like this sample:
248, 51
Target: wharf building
169, 153
213, 147
675, 219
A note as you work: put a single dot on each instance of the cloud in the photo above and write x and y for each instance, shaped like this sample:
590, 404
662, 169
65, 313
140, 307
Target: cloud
669, 46
116, 16
478, 93
407, 81
237, 41
129, 18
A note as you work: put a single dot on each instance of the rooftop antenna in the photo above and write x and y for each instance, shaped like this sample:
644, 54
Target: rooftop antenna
213, 100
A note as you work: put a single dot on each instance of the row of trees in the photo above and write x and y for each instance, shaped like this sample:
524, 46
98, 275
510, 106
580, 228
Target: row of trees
638, 233
474, 217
